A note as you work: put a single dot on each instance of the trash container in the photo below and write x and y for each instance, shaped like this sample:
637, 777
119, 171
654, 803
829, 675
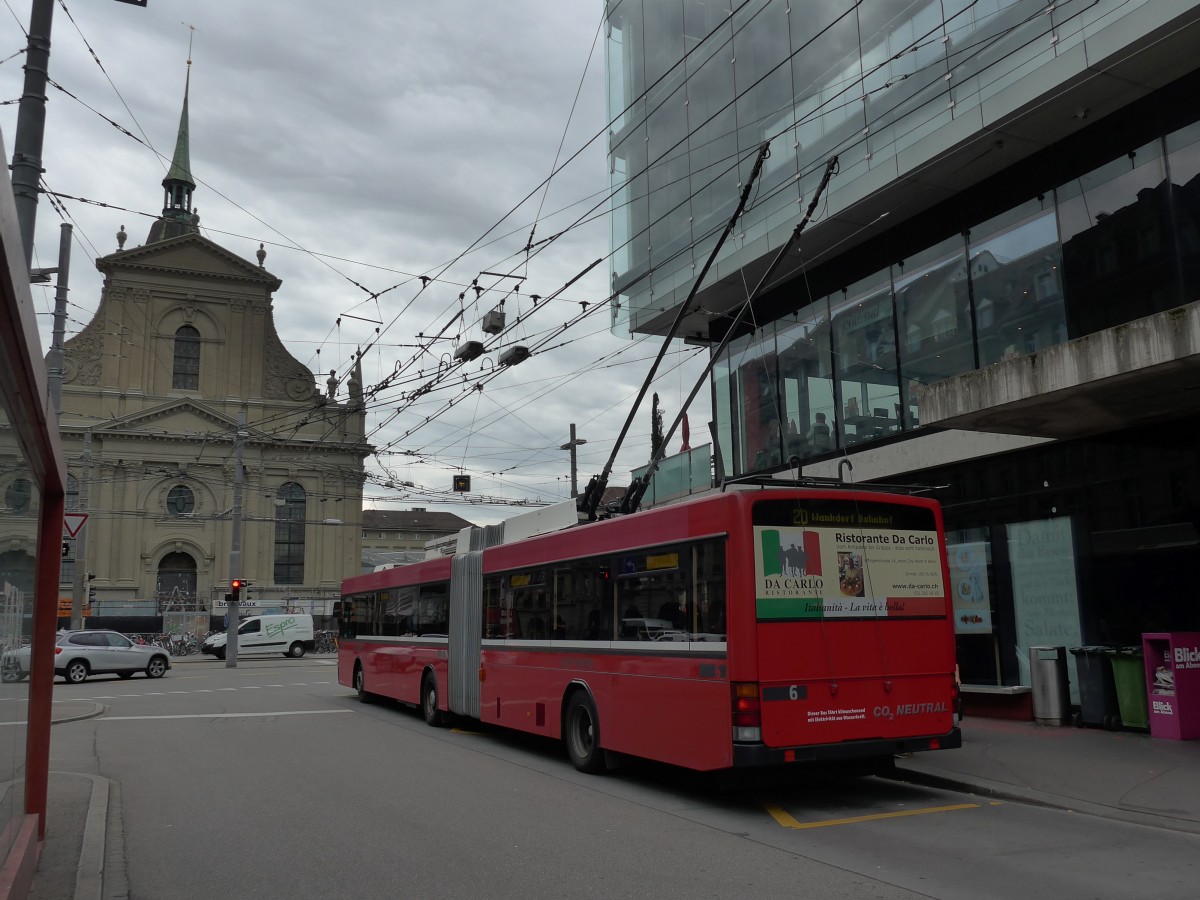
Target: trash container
1129, 677
1051, 685
1097, 691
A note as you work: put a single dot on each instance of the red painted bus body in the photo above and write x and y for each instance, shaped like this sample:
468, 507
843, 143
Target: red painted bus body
751, 627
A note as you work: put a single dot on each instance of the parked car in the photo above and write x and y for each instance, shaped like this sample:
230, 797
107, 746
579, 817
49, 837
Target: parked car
78, 654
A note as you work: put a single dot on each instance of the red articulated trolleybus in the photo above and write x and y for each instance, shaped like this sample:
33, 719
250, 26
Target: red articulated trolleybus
752, 627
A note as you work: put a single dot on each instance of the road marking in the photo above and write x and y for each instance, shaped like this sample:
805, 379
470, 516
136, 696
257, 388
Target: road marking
786, 820
246, 715
245, 687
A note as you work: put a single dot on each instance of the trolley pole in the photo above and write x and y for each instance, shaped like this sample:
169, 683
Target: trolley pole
80, 585
31, 124
235, 544
54, 368
571, 445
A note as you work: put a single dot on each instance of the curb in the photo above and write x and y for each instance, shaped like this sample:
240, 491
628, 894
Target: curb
95, 710
1017, 794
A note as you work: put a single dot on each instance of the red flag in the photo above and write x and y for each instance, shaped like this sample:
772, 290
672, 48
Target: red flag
686, 446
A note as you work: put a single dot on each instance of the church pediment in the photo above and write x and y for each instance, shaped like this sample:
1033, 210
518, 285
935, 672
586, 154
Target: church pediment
175, 417
188, 254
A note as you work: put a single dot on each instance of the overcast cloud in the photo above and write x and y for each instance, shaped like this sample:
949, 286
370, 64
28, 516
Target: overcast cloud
371, 142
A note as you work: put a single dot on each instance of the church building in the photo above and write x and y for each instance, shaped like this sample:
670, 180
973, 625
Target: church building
180, 373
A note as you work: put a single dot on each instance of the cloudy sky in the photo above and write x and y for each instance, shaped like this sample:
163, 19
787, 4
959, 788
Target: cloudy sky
366, 144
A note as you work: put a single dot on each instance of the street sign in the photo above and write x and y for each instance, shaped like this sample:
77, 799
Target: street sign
73, 522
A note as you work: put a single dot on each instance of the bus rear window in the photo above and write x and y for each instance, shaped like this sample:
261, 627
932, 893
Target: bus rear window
838, 559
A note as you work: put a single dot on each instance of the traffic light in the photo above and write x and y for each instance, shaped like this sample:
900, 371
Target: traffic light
462, 482
236, 585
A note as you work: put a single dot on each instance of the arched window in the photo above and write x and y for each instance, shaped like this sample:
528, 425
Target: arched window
180, 501
289, 534
185, 376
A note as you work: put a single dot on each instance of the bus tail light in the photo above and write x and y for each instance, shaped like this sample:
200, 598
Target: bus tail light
747, 712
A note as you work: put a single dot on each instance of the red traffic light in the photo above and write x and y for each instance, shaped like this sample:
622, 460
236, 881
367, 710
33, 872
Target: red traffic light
236, 583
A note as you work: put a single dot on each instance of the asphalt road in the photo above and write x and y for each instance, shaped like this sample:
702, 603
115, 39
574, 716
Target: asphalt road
271, 780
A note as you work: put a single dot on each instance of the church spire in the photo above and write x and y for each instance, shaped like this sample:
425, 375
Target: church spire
178, 215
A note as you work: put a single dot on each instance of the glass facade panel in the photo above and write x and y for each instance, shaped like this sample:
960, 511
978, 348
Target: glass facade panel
864, 353
1114, 224
933, 318
865, 81
806, 381
763, 82
1016, 278
21, 503
758, 403
1183, 160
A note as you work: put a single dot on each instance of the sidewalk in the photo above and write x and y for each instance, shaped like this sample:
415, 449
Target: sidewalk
1121, 775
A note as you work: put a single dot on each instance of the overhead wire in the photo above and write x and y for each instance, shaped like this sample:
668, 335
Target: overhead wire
297, 247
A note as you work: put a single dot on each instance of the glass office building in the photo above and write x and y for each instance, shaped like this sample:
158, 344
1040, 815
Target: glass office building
1010, 176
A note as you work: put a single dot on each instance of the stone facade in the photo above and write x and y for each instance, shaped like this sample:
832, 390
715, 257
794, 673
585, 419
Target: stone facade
183, 342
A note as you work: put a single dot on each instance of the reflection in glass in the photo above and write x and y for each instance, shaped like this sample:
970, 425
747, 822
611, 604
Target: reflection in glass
759, 404
933, 312
1016, 274
18, 551
1114, 224
864, 353
806, 379
1183, 161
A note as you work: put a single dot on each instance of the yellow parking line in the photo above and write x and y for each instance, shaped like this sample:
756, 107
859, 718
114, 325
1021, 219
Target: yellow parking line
786, 820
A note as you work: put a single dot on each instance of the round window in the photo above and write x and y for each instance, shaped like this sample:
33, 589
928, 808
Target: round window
180, 501
18, 495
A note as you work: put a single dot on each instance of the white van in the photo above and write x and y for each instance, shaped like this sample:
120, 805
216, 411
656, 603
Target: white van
290, 635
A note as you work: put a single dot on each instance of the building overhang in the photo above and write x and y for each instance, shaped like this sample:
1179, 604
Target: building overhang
1143, 372
1114, 68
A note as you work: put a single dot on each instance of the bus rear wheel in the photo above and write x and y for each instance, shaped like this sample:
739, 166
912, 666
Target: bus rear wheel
582, 734
360, 685
429, 701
